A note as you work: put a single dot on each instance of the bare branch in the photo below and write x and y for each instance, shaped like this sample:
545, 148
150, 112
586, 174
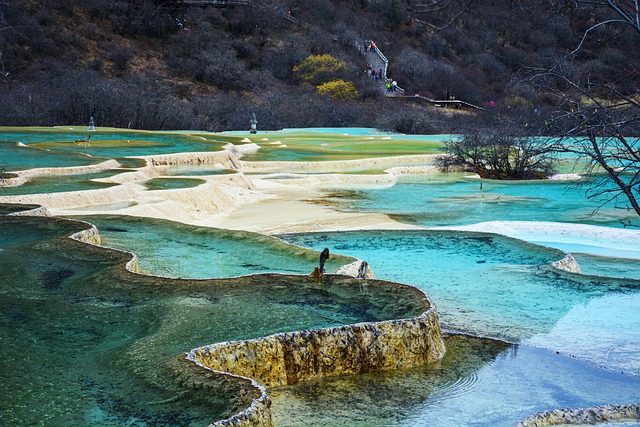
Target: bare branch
438, 6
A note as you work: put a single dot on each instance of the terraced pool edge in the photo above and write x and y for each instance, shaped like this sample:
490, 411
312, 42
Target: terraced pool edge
380, 345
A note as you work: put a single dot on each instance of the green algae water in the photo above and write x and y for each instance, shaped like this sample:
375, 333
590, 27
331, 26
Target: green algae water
172, 183
86, 342
321, 144
27, 148
61, 183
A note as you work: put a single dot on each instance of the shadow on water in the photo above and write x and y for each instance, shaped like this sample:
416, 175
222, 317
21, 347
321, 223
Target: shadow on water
480, 382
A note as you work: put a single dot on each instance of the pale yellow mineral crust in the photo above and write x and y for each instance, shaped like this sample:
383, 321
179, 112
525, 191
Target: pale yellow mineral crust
288, 358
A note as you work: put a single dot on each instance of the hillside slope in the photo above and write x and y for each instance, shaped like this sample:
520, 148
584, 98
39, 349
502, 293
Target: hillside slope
166, 65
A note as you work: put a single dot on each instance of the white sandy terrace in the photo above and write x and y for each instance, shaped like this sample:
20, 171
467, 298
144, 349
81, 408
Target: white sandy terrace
278, 197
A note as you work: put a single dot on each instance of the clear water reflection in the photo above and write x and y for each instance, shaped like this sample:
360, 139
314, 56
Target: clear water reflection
86, 342
479, 383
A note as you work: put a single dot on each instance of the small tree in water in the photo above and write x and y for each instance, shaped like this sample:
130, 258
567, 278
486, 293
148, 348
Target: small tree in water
503, 153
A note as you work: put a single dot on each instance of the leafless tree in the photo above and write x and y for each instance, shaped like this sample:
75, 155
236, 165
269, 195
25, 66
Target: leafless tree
502, 151
438, 14
596, 119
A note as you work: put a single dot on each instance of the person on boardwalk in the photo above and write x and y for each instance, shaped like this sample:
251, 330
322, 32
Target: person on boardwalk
373, 46
388, 86
394, 86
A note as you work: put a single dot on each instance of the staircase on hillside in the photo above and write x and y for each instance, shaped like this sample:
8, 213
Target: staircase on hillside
378, 61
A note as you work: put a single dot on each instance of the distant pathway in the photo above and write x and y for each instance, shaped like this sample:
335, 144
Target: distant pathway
378, 61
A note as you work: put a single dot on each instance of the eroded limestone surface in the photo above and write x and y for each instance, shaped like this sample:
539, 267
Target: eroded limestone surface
568, 263
599, 414
288, 358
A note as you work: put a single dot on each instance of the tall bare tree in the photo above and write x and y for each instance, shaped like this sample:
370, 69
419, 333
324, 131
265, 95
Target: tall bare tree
599, 118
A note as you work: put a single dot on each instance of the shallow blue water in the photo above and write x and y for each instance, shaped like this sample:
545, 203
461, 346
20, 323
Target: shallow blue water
481, 284
478, 383
498, 287
453, 199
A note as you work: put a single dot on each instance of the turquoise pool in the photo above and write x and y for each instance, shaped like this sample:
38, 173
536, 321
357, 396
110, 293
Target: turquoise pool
105, 341
86, 342
454, 199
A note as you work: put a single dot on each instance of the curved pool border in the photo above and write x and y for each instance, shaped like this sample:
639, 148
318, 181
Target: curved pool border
382, 345
258, 412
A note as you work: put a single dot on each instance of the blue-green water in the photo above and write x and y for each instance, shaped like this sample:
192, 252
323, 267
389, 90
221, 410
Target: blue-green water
56, 184
14, 157
172, 249
453, 199
106, 340
482, 284
494, 286
86, 342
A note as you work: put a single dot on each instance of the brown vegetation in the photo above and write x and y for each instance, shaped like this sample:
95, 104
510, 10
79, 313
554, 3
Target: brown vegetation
159, 65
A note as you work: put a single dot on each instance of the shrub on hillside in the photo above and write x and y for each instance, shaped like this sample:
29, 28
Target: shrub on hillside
338, 90
318, 69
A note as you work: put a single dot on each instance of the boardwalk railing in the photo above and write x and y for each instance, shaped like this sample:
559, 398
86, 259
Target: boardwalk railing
436, 102
220, 3
448, 102
363, 50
